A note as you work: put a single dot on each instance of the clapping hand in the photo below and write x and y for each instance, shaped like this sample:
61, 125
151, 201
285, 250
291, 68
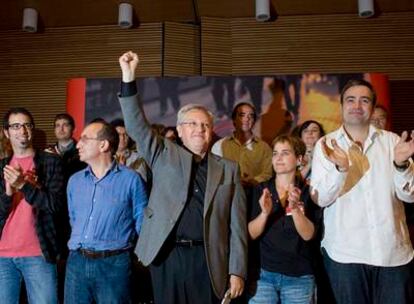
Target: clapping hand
336, 155
265, 202
404, 148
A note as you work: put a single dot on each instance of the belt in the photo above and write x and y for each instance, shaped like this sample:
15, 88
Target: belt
90, 254
189, 243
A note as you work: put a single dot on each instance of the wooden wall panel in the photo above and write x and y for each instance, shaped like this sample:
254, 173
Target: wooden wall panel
181, 50
34, 68
328, 43
216, 46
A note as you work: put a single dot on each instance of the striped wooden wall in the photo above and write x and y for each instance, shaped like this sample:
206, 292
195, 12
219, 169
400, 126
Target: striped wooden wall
181, 52
34, 68
297, 44
216, 46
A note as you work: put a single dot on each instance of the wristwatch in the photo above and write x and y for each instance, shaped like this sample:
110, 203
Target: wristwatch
402, 167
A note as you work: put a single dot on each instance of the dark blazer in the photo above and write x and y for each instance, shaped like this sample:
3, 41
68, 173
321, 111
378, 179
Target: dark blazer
225, 228
47, 199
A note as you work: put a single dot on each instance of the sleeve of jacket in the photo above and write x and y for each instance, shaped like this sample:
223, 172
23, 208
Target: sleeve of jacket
238, 230
49, 194
139, 129
5, 200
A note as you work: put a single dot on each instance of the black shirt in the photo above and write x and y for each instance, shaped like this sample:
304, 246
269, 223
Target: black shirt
190, 224
282, 249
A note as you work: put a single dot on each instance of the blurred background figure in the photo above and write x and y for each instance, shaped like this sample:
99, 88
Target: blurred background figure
310, 131
171, 133
65, 145
128, 156
5, 149
379, 118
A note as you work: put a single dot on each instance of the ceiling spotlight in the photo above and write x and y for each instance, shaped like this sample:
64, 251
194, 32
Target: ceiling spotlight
365, 8
125, 15
262, 10
30, 20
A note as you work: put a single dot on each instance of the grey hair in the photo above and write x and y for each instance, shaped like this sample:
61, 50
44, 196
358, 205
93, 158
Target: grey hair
191, 107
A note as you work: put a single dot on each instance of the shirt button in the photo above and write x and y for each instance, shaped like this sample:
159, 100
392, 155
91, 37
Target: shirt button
91, 218
196, 190
86, 236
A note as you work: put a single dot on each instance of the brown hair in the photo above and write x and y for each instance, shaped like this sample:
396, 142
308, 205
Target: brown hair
298, 146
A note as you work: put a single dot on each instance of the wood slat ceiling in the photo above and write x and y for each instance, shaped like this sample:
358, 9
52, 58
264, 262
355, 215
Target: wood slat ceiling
67, 13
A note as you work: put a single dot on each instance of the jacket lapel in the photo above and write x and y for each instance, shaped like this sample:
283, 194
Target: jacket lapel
214, 173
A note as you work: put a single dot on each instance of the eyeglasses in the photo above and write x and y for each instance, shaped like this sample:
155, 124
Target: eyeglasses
17, 126
85, 138
193, 125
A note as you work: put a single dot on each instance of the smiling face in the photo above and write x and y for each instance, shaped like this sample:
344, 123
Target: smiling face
379, 118
244, 118
357, 106
195, 131
311, 134
19, 132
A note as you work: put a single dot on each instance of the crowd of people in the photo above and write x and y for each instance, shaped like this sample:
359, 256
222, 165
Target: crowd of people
311, 218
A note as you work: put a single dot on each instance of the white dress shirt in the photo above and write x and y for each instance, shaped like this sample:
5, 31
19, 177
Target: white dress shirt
254, 156
364, 216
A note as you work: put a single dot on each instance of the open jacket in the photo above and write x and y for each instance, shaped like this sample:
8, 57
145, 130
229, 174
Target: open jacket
46, 198
224, 217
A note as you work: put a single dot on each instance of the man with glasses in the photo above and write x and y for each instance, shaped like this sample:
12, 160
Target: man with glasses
31, 195
194, 233
105, 202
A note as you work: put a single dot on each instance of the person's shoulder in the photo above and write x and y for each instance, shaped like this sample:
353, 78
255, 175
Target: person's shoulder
77, 176
127, 172
224, 161
48, 157
260, 142
222, 140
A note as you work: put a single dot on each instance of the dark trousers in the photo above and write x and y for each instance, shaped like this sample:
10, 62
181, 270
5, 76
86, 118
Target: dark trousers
365, 284
180, 275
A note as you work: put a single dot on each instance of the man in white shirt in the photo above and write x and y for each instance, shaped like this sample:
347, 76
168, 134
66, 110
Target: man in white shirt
360, 175
253, 155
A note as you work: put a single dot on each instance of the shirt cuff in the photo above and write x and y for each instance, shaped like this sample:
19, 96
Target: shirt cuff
128, 88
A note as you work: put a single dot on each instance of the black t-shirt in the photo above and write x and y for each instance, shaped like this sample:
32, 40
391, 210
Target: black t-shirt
282, 249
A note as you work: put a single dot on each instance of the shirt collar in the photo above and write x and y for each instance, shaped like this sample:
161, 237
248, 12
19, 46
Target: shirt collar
114, 168
373, 133
254, 138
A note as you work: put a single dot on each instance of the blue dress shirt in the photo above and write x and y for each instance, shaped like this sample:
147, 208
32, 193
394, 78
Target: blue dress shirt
105, 213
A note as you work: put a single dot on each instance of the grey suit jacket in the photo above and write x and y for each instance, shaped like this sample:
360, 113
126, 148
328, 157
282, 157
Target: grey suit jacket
225, 227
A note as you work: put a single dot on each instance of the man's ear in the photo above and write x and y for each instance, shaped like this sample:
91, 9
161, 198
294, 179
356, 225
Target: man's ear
179, 130
104, 146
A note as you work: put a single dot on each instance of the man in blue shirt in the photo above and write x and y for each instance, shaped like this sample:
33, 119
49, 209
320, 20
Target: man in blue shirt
105, 203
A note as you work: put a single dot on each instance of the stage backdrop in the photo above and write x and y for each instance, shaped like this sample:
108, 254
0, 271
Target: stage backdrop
282, 101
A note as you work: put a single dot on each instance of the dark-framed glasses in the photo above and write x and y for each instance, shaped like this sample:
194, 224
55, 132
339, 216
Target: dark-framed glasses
17, 126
